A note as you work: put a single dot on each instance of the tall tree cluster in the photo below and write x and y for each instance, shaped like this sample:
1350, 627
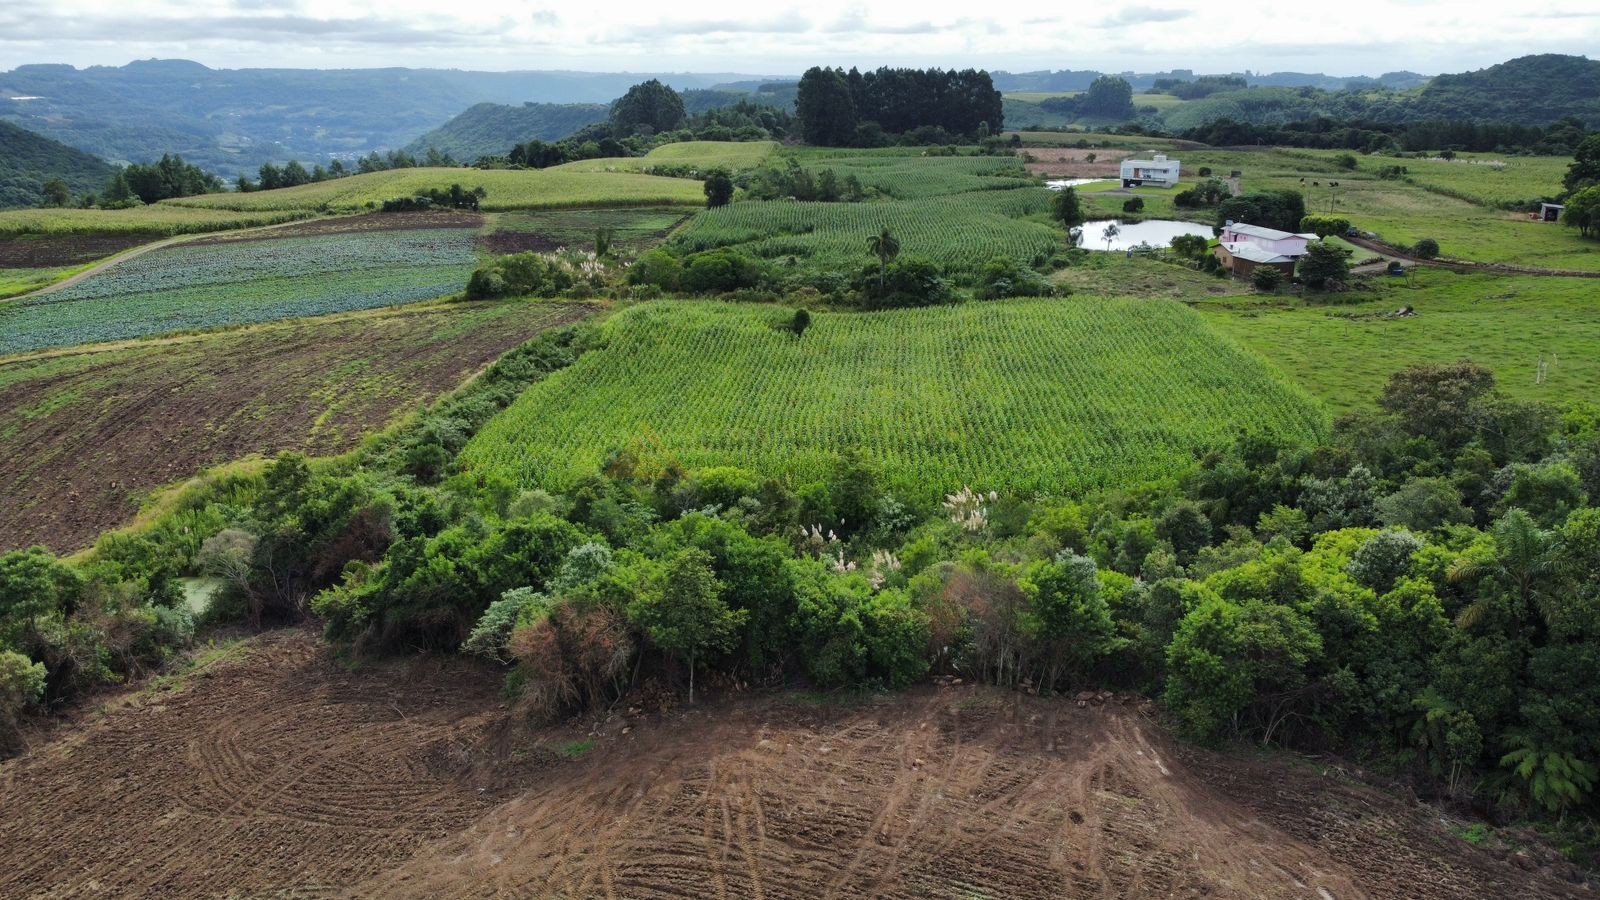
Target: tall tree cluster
836, 108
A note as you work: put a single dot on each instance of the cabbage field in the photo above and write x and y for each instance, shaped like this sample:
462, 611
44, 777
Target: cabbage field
1023, 396
184, 288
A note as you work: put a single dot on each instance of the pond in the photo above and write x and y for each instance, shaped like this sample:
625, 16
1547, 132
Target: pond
1155, 232
1056, 184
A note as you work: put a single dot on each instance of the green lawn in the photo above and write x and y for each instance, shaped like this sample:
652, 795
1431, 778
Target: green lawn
1343, 354
1026, 396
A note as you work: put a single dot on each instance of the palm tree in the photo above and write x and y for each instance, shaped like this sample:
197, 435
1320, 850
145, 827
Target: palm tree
885, 247
1524, 563
1110, 234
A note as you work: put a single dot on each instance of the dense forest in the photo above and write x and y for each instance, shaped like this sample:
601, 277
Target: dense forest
836, 108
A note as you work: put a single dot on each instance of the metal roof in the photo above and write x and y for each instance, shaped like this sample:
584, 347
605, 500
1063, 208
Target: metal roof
1255, 254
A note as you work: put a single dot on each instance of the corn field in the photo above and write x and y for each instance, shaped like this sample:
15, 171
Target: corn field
1036, 396
959, 232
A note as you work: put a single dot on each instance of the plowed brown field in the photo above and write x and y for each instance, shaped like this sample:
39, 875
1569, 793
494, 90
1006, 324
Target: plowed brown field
86, 435
281, 772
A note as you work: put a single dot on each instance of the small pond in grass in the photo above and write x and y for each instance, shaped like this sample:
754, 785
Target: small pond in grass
1155, 232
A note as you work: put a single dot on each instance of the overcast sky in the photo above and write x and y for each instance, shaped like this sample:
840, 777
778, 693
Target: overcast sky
1355, 37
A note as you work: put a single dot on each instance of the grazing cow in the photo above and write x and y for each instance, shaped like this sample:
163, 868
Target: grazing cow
1316, 184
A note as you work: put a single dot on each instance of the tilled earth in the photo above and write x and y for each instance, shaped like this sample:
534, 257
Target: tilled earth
86, 435
281, 772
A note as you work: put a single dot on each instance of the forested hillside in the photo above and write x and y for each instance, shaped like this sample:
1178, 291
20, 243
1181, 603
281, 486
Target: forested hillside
28, 160
487, 129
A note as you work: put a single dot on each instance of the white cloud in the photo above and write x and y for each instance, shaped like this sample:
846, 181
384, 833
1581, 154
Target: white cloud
1356, 37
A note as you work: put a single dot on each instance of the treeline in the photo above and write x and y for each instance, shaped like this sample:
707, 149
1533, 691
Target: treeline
164, 179
649, 115
1108, 97
1204, 86
836, 108
293, 173
1377, 137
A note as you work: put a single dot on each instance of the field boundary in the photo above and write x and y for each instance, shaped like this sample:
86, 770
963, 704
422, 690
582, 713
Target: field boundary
1465, 266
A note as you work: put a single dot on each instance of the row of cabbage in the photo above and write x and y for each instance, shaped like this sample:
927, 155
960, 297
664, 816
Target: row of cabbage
185, 288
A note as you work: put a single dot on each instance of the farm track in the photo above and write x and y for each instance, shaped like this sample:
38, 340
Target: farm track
1466, 267
84, 437
281, 772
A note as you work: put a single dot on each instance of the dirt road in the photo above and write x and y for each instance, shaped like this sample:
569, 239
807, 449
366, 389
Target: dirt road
283, 772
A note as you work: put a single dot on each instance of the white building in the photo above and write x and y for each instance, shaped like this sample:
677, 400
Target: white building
1158, 171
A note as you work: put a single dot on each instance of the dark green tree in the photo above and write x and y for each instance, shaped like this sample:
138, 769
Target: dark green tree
1108, 97
1324, 266
683, 612
56, 193
825, 109
719, 188
647, 108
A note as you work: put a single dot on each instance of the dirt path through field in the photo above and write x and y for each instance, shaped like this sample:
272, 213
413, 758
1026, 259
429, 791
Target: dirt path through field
282, 772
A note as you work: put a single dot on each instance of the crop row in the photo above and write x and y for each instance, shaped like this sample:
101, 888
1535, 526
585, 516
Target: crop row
958, 232
183, 267
186, 288
160, 219
1029, 396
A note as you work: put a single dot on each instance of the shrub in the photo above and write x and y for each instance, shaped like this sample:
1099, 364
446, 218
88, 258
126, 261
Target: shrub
1346, 162
520, 274
1004, 277
1266, 278
910, 281
1133, 205
800, 322
656, 268
1427, 248
719, 271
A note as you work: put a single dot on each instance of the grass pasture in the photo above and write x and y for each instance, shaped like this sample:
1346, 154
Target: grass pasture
508, 189
1028, 396
1343, 354
85, 436
199, 286
1404, 213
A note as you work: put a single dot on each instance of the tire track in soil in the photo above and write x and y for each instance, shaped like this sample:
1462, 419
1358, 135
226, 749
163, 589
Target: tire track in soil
933, 793
282, 773
278, 772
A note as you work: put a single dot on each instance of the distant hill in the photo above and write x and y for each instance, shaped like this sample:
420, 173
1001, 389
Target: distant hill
232, 120
28, 160
1529, 90
490, 129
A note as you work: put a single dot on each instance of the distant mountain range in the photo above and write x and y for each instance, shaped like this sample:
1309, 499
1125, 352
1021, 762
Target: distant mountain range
231, 120
28, 160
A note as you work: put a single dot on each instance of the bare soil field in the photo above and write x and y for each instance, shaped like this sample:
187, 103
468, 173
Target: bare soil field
57, 250
1071, 162
280, 771
85, 436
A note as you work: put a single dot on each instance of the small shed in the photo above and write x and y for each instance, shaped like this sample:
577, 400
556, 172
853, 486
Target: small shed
1550, 212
